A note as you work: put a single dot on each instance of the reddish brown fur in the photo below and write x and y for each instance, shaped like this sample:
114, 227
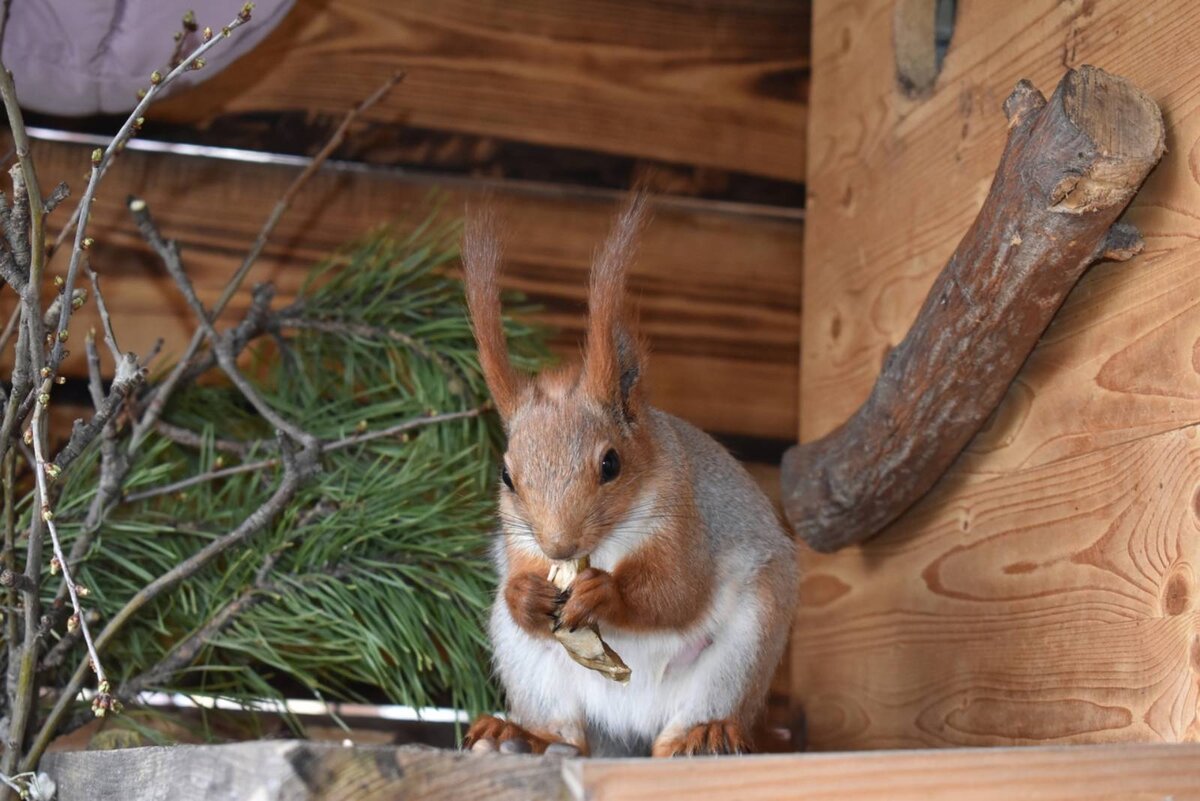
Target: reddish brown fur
578, 521
481, 265
531, 598
650, 591
488, 727
612, 348
715, 737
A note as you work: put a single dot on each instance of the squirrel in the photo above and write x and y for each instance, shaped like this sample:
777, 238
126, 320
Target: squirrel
692, 576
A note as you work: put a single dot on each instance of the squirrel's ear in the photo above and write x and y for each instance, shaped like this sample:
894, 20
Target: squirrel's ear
481, 264
614, 357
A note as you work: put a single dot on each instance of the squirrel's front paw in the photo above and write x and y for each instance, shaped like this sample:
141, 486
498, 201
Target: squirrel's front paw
533, 601
594, 598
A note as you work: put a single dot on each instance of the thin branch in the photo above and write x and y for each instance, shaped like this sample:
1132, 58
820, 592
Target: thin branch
186, 650
169, 253
114, 465
163, 392
128, 377
110, 337
297, 467
134, 123
43, 471
16, 123
191, 439
333, 445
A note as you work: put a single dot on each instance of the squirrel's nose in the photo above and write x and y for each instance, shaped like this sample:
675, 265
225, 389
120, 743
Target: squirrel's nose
559, 546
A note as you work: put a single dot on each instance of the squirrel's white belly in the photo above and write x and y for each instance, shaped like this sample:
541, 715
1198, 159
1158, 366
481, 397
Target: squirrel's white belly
678, 679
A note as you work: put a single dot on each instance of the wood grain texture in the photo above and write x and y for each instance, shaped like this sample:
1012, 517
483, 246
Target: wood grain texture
297, 771
719, 295
1131, 773
1054, 604
1044, 591
719, 84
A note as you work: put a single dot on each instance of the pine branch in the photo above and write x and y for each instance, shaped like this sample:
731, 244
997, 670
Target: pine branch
297, 468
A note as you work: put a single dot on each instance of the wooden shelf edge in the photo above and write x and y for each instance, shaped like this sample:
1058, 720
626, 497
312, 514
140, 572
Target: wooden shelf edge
303, 770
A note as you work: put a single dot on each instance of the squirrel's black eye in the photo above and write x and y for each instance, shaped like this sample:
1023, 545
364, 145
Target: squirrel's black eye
610, 466
506, 477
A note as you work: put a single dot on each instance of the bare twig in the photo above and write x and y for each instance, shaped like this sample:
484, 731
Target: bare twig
129, 376
110, 336
333, 445
114, 465
163, 392
56, 196
43, 470
27, 243
185, 651
134, 123
37, 231
168, 251
297, 467
191, 439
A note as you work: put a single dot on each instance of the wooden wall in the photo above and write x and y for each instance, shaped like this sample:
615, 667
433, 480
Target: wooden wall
556, 109
1045, 591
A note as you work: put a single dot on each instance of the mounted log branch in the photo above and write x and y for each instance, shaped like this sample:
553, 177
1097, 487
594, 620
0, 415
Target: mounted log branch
1068, 170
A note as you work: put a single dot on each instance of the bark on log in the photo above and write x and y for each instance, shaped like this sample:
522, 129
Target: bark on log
1068, 170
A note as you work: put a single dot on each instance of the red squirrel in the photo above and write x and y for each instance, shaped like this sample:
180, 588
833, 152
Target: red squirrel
692, 577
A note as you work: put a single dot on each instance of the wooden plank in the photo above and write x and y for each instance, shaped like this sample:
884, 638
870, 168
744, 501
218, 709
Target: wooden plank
719, 294
1054, 604
719, 84
298, 771
896, 182
1036, 774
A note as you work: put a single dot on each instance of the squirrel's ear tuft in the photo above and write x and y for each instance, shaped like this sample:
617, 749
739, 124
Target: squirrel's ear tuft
481, 255
614, 357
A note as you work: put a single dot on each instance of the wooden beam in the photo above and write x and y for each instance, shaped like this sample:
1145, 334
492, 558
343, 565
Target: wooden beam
723, 347
1069, 168
718, 84
296, 771
999, 774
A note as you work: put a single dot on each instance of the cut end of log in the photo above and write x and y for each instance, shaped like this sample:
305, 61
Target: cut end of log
1120, 119
1125, 129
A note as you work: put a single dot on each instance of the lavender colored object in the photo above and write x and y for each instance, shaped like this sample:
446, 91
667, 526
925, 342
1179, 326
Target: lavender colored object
76, 58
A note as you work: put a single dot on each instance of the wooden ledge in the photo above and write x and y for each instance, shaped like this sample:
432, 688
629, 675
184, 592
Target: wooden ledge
299, 771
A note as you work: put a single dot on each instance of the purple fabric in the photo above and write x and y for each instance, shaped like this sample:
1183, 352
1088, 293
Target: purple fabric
80, 57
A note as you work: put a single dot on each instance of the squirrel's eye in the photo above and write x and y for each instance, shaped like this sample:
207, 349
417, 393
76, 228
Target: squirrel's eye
610, 466
506, 477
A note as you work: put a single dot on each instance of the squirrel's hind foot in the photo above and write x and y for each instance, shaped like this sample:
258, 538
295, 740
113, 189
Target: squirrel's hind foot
714, 738
489, 733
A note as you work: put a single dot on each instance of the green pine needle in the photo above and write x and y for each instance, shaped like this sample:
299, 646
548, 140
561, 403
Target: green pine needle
378, 582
